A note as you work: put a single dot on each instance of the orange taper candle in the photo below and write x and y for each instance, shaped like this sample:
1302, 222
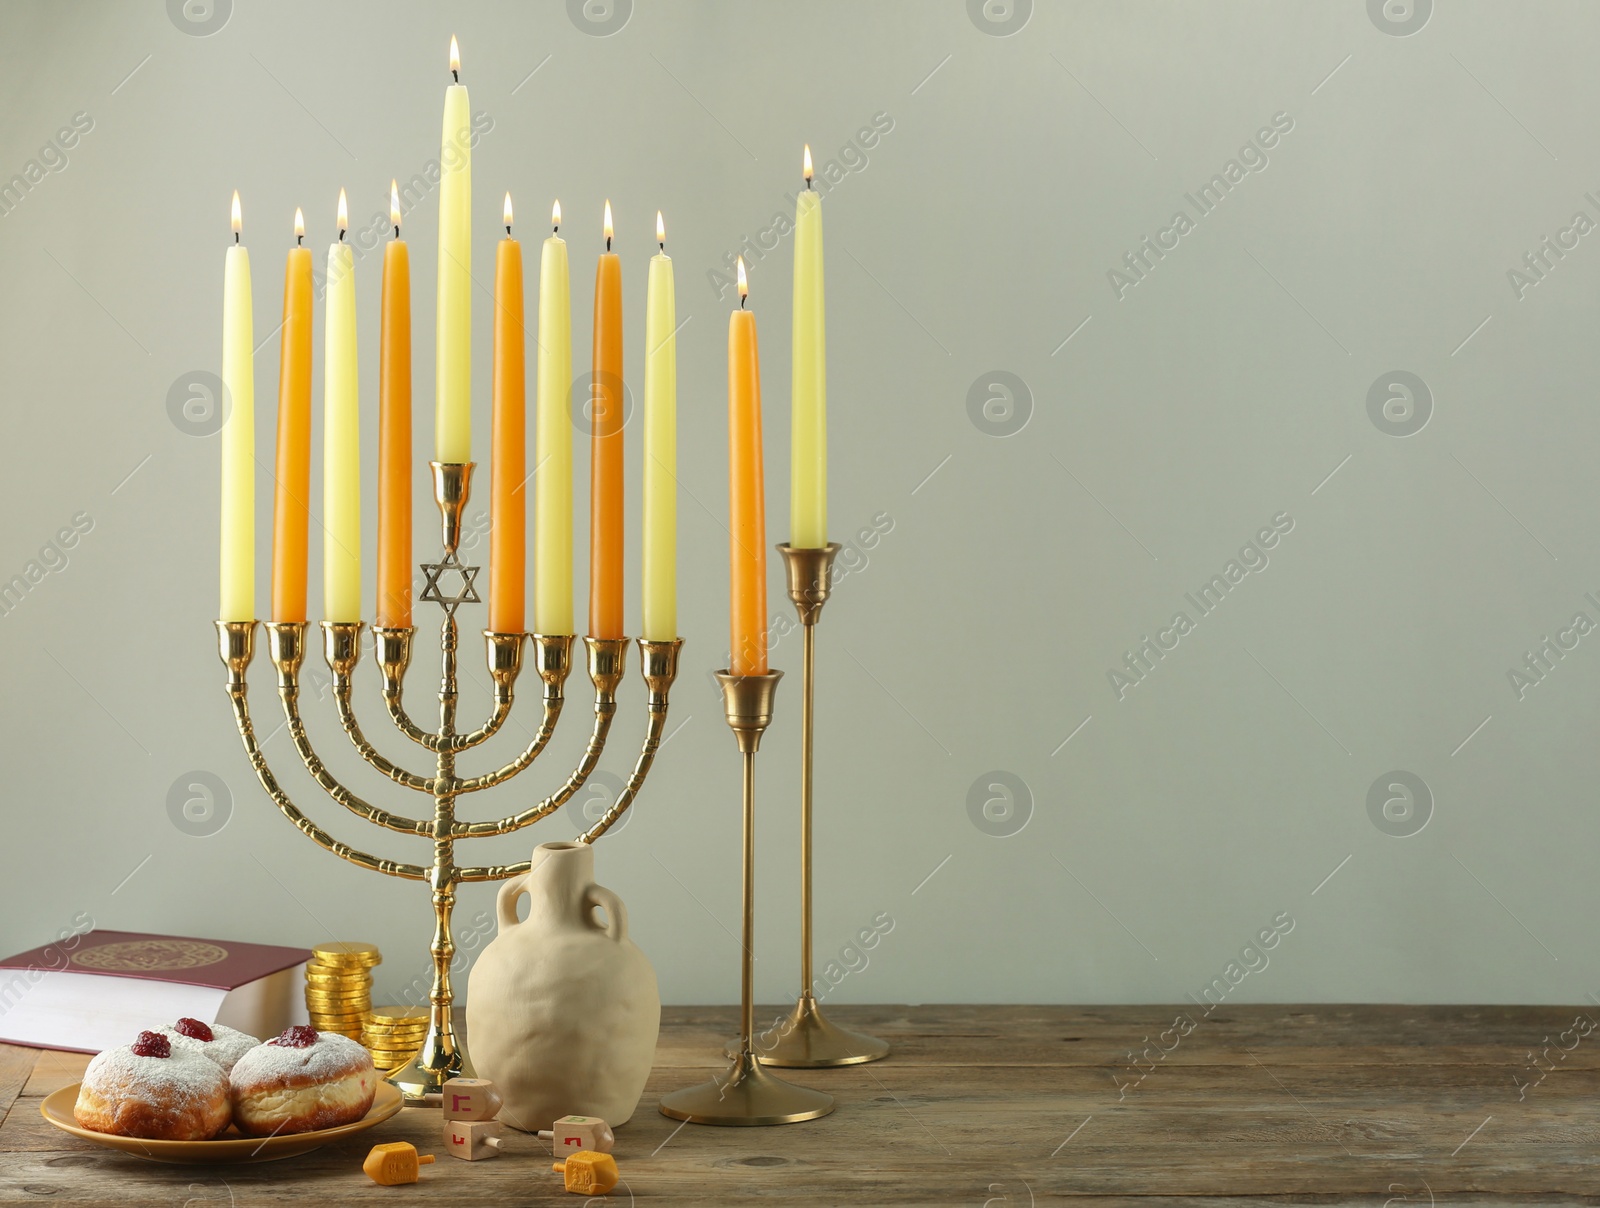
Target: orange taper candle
394, 431
747, 528
290, 516
508, 501
605, 449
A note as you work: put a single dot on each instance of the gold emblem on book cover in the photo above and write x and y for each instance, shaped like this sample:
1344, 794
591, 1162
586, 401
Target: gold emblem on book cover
150, 956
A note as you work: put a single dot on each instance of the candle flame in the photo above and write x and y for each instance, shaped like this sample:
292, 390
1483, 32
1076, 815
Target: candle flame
555, 216
344, 214
455, 57
394, 206
608, 223
299, 225
744, 285
661, 231
806, 161
238, 219
507, 213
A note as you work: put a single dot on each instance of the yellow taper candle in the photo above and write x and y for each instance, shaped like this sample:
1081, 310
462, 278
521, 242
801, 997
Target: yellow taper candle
659, 568
341, 447
552, 563
238, 436
808, 437
453, 349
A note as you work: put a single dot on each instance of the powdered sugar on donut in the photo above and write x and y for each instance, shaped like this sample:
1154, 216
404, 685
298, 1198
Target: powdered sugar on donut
224, 1049
332, 1056
186, 1079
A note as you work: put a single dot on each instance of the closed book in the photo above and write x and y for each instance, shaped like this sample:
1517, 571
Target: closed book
96, 990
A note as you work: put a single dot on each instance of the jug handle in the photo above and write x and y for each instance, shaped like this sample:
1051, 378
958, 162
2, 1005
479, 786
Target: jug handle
616, 926
505, 902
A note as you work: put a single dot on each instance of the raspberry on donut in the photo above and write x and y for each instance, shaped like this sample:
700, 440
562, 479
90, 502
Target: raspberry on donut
300, 1081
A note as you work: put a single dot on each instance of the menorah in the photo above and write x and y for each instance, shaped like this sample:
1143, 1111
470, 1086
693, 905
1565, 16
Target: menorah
443, 1055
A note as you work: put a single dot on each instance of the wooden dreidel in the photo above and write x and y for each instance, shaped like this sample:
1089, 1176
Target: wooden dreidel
469, 1099
394, 1163
472, 1139
572, 1133
587, 1172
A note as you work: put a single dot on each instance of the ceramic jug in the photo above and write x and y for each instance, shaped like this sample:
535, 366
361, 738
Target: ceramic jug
562, 1007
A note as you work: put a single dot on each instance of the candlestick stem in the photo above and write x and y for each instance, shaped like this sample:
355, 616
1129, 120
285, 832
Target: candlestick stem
747, 1094
805, 1038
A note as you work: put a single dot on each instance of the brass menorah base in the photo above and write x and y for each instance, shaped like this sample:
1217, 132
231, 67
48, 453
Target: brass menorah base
443, 1056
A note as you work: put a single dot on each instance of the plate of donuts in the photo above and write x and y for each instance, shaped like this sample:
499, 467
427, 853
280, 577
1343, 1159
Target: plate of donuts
194, 1093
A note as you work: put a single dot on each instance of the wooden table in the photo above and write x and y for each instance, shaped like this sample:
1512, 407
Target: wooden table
1003, 1106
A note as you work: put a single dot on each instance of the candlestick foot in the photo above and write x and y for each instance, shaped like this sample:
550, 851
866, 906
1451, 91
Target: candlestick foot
427, 1072
807, 1039
746, 1095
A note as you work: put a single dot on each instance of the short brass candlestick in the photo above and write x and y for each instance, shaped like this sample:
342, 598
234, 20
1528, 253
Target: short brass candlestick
747, 1093
443, 1056
806, 1038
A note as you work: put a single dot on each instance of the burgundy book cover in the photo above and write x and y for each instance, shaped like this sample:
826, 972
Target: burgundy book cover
221, 965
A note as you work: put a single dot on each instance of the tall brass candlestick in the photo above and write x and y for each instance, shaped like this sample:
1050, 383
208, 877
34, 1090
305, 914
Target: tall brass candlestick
443, 1056
747, 1093
807, 1039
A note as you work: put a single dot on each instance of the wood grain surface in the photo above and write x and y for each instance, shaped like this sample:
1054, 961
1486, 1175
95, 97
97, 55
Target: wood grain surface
1003, 1106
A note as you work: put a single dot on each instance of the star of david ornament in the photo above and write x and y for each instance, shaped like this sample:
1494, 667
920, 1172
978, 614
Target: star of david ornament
465, 593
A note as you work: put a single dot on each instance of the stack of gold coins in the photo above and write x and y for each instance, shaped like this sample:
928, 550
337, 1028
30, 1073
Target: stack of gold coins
394, 1035
339, 986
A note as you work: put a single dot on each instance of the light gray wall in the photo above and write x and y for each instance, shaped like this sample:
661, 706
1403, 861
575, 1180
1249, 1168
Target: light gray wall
973, 646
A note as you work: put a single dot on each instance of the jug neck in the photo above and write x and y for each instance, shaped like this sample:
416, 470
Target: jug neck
557, 881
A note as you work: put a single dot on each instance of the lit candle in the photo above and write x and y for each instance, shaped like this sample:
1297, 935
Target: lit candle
341, 448
453, 358
605, 448
292, 496
659, 570
238, 601
508, 511
808, 466
747, 528
552, 567
394, 431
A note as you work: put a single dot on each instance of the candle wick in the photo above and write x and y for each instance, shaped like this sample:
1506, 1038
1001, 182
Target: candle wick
808, 184
608, 243
299, 240
341, 234
508, 230
662, 245
455, 75
236, 236
743, 299
397, 232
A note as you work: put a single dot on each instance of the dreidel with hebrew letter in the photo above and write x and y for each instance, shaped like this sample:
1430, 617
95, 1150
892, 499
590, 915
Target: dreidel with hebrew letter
572, 1133
469, 1099
587, 1172
472, 1139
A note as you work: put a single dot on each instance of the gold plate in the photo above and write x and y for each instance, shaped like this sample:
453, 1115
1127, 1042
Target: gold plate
230, 1146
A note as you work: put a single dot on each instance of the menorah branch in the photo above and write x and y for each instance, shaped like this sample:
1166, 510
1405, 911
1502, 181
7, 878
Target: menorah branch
659, 664
237, 647
286, 645
553, 661
607, 657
